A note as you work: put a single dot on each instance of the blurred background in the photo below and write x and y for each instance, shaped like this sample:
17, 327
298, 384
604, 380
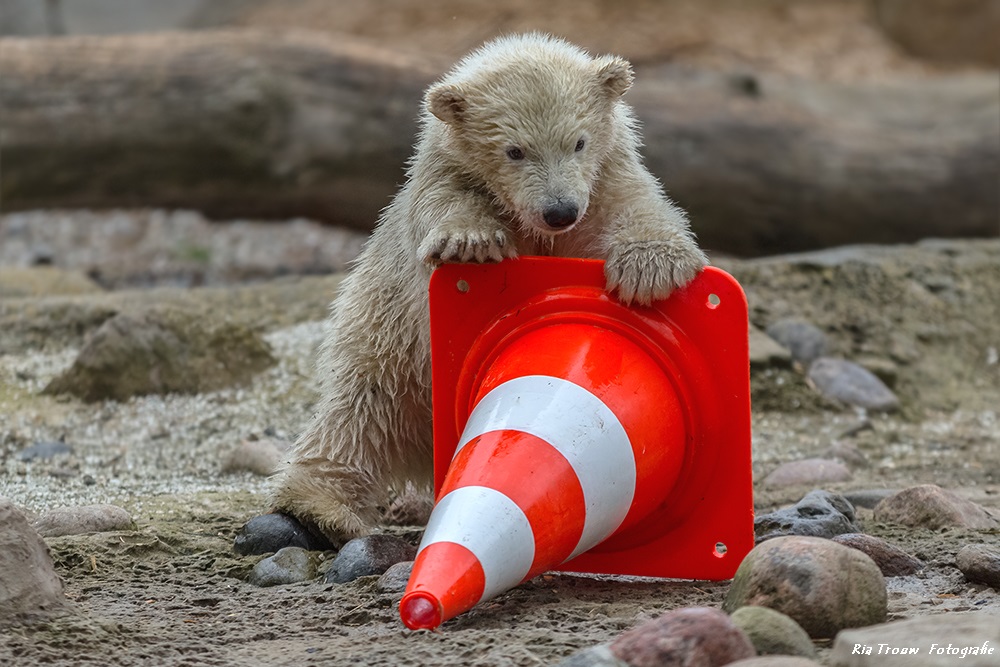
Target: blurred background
205, 141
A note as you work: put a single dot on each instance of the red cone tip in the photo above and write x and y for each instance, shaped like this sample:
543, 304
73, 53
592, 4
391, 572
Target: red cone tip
420, 611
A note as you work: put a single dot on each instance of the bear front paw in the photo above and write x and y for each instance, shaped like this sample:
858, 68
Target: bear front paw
466, 246
646, 271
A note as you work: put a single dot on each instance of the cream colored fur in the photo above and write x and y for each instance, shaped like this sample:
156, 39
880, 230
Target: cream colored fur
468, 198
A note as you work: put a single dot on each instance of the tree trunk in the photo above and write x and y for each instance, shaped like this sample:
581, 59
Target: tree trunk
251, 124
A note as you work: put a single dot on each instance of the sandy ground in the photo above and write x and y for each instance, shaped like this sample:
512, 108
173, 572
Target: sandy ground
172, 592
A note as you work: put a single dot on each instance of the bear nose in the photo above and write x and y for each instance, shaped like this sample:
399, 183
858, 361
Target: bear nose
560, 215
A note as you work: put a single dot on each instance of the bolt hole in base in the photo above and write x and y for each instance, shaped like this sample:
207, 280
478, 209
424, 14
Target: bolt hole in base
713, 301
462, 286
720, 550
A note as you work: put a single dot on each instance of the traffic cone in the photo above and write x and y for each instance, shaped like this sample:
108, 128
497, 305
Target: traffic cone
574, 433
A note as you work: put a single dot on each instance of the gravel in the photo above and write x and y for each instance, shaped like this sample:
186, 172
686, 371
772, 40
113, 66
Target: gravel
151, 445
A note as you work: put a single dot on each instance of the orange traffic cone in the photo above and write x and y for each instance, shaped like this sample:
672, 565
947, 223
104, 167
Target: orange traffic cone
572, 432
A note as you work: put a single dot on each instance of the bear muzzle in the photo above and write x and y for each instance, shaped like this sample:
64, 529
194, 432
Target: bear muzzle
561, 215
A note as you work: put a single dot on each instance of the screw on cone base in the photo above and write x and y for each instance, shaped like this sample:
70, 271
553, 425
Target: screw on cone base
420, 611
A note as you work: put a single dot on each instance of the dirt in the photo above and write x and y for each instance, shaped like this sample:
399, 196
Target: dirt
172, 591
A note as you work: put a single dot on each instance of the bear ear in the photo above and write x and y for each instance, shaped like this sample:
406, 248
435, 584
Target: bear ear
447, 103
614, 75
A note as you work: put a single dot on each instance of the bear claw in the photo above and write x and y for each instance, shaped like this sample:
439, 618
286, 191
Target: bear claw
467, 246
647, 271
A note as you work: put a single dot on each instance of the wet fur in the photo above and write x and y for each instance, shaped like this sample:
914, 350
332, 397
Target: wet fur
466, 200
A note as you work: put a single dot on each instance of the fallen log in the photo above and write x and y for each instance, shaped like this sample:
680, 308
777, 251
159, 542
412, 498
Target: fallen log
243, 123
767, 164
235, 123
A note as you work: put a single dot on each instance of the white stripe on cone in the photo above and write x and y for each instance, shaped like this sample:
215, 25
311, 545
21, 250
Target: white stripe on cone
582, 428
492, 527
578, 425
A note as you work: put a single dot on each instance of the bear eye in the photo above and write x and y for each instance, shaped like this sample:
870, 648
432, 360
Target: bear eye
580, 144
515, 153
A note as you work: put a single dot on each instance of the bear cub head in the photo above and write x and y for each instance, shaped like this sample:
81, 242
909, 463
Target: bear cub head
531, 120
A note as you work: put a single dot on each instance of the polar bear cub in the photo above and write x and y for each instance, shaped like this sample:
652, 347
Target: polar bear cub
526, 148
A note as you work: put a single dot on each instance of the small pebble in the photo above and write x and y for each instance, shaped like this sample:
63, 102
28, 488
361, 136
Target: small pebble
884, 369
807, 472
765, 352
42, 451
688, 636
595, 656
823, 586
803, 340
288, 566
893, 561
849, 383
847, 453
819, 514
868, 498
82, 519
980, 564
368, 555
261, 457
773, 633
774, 661
930, 506
395, 579
269, 533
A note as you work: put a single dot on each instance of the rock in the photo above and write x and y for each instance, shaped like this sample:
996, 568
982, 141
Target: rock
774, 661
690, 636
847, 453
47, 324
849, 383
930, 506
804, 341
269, 533
364, 556
261, 457
44, 450
43, 281
595, 656
765, 352
30, 589
938, 641
773, 633
395, 579
891, 560
807, 472
868, 498
160, 350
82, 519
288, 566
819, 514
980, 564
884, 369
30, 325
823, 586
946, 31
